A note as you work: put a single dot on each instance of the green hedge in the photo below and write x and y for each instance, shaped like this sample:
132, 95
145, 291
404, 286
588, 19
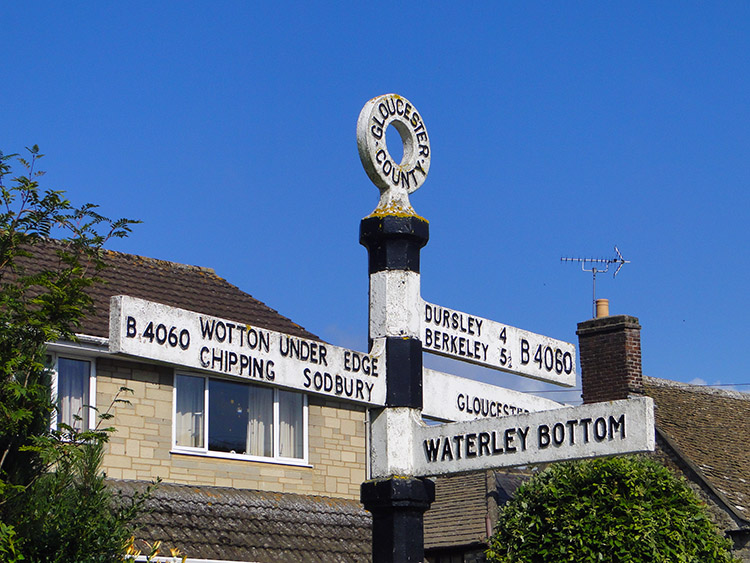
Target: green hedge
619, 509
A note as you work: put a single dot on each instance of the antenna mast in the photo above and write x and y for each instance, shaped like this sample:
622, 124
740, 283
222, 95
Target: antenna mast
619, 260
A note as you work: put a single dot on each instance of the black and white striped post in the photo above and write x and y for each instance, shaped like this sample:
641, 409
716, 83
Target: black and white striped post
394, 235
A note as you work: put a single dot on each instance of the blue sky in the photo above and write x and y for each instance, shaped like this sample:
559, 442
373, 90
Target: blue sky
557, 129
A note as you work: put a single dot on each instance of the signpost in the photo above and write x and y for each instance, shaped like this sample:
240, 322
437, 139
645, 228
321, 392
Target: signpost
403, 451
451, 398
496, 427
461, 336
167, 334
596, 429
179, 337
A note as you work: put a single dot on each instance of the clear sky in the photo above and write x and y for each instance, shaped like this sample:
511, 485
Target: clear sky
557, 129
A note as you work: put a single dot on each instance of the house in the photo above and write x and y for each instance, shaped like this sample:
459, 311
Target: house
250, 471
254, 472
701, 434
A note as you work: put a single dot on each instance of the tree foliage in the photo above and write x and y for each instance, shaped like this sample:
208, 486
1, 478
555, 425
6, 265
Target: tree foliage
54, 505
625, 509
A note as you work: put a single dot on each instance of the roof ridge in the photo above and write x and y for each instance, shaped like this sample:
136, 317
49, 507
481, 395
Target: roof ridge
169, 263
165, 486
59, 242
727, 393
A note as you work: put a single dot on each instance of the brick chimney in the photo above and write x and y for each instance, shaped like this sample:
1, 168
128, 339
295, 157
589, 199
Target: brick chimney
610, 349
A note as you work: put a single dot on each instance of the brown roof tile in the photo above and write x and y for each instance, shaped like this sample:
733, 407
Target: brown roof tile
178, 285
457, 517
710, 429
244, 525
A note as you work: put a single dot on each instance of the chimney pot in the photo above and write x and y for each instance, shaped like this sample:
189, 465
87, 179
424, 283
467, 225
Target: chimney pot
602, 308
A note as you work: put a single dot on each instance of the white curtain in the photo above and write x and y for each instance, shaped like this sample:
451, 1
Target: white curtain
190, 408
73, 392
260, 421
290, 424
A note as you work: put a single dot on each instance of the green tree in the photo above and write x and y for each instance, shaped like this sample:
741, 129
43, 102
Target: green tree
54, 505
625, 509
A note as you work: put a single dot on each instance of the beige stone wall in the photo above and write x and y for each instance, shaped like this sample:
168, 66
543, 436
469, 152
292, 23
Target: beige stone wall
140, 449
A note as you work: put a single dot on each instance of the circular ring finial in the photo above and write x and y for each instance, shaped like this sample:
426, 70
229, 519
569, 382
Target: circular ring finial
394, 179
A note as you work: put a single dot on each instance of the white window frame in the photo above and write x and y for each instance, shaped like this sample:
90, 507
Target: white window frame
205, 452
92, 414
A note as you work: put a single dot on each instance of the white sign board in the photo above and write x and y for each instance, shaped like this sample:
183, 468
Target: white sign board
461, 336
593, 430
175, 336
451, 398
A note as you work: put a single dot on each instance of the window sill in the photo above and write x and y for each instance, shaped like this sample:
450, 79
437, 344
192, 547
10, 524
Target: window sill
240, 457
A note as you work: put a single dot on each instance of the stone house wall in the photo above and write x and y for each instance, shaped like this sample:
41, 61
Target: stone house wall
140, 447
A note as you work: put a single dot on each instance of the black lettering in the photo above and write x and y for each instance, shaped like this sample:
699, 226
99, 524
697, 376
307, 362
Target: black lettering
524, 351
571, 430
586, 423
508, 440
458, 440
257, 368
339, 384
558, 433
523, 433
207, 330
281, 346
544, 437
431, 448
484, 443
495, 441
471, 445
600, 429
322, 354
617, 425
447, 452
130, 328
220, 326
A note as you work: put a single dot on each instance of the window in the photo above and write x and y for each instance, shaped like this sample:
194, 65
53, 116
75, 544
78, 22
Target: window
236, 419
74, 387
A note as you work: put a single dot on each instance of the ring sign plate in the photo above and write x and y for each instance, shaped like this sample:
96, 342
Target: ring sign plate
593, 430
457, 335
175, 336
395, 180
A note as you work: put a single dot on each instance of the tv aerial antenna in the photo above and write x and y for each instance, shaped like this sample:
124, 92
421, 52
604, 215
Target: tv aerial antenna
599, 266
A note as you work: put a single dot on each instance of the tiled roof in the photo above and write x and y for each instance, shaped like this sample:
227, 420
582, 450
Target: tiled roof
457, 517
178, 285
710, 428
253, 526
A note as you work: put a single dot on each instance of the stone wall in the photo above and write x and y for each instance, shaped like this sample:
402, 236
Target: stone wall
140, 448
